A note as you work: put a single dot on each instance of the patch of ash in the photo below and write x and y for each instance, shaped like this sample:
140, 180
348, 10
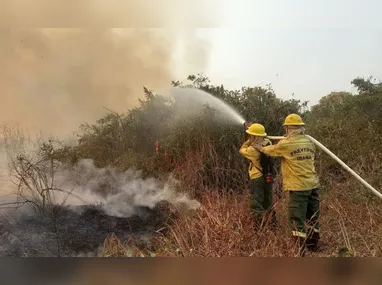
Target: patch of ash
76, 230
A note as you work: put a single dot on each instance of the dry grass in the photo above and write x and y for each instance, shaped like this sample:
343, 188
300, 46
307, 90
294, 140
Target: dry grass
224, 227
114, 248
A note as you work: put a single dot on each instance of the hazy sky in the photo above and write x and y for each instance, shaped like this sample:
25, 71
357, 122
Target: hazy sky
308, 48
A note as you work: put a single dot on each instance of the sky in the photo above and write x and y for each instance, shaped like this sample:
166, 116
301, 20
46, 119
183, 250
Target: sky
306, 48
308, 63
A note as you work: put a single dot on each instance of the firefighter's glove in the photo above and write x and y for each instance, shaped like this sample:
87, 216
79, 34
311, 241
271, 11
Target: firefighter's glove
257, 146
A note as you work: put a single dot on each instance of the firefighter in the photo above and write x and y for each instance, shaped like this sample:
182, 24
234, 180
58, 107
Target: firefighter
300, 180
260, 173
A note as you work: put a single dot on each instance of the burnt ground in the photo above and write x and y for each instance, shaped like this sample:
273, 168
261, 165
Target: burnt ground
79, 231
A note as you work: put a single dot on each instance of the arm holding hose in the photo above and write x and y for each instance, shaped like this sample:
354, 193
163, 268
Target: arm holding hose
275, 150
332, 155
247, 150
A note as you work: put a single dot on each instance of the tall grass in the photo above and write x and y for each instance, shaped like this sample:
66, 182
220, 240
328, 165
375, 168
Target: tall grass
224, 226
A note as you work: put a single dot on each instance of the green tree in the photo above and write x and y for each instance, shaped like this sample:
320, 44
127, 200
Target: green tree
351, 127
368, 86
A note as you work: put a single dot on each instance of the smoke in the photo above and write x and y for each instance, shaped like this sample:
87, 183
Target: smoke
54, 80
118, 194
92, 202
112, 13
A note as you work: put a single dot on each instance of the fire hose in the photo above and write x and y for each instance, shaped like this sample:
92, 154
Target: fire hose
332, 155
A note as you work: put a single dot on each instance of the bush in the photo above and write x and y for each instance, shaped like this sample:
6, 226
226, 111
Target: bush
351, 127
128, 140
202, 153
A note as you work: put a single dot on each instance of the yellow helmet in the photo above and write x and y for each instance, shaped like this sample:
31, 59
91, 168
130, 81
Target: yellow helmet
293, 120
256, 130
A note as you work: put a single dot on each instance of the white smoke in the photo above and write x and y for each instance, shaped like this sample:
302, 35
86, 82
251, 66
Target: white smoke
118, 194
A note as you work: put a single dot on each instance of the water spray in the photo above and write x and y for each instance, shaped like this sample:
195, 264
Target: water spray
201, 97
332, 155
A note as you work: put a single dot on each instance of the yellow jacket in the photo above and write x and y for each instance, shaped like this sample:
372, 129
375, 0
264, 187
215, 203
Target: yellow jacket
297, 164
253, 155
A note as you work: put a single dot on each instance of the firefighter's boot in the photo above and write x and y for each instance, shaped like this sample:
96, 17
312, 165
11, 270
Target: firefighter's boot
312, 242
300, 242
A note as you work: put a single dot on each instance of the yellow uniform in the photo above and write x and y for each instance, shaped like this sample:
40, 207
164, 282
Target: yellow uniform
297, 165
253, 155
300, 179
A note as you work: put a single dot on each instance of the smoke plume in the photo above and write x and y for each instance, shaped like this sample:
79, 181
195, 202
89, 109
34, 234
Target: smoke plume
112, 13
55, 80
92, 202
119, 194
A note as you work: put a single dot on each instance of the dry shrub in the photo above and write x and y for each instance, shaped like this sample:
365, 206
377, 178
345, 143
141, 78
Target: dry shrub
224, 226
114, 248
351, 225
379, 245
189, 172
203, 169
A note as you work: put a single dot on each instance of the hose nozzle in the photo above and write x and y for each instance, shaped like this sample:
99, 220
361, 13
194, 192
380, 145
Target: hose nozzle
246, 125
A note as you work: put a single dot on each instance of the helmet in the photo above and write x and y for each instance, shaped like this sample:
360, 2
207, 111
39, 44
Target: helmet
293, 120
256, 130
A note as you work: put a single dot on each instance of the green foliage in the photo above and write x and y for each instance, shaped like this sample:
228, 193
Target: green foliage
128, 140
203, 150
367, 87
351, 127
